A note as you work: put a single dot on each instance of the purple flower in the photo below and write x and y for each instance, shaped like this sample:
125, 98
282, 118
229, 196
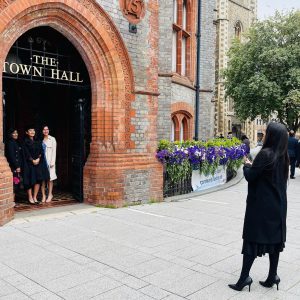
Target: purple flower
196, 155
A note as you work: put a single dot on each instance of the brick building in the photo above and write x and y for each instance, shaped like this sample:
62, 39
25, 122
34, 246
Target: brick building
110, 78
234, 18
177, 69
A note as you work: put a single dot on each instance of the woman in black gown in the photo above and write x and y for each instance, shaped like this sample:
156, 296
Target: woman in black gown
265, 218
35, 166
14, 156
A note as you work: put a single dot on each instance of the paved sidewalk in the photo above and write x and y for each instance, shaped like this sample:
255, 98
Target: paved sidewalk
181, 250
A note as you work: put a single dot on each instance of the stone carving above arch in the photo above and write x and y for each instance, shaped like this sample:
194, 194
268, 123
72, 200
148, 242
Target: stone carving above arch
5, 3
133, 10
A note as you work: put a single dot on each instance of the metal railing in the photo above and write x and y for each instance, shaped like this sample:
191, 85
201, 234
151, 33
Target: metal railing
184, 186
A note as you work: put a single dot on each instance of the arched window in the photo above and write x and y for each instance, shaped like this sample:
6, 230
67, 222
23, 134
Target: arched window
181, 126
174, 37
173, 130
181, 51
185, 129
238, 30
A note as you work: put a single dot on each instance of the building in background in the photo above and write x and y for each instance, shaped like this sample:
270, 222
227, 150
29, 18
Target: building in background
177, 69
110, 78
234, 17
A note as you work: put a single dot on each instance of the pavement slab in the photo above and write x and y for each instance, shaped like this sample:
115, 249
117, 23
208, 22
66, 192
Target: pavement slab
189, 249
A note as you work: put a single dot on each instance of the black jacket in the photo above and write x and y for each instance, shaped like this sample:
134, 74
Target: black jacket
34, 174
13, 154
265, 218
293, 147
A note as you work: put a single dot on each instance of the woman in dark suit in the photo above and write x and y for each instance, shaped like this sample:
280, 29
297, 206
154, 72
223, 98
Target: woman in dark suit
265, 218
14, 156
35, 166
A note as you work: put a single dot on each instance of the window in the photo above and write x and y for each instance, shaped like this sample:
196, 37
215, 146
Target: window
183, 57
173, 126
181, 50
174, 52
238, 30
181, 126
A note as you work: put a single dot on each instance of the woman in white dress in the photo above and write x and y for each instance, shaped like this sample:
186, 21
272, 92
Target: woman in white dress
49, 146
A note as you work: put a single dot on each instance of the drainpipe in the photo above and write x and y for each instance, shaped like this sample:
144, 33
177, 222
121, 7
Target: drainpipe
198, 72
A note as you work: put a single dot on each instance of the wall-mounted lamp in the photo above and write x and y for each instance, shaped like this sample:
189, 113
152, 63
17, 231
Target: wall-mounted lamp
132, 28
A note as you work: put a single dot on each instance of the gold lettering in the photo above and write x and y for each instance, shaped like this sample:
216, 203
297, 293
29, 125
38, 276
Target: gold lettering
35, 59
37, 70
25, 69
55, 74
45, 60
78, 77
64, 76
52, 62
16, 70
71, 77
4, 67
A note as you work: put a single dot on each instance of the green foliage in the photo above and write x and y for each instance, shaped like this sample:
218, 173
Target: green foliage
167, 145
263, 74
178, 172
164, 144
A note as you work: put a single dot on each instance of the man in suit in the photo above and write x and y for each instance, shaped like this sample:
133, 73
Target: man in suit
293, 152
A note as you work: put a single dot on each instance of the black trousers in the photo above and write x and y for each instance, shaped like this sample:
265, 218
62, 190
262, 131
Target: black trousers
293, 165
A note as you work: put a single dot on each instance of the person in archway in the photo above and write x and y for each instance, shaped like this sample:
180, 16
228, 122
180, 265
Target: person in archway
265, 218
35, 165
49, 146
14, 156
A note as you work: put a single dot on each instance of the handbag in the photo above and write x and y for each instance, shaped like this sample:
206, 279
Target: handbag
16, 178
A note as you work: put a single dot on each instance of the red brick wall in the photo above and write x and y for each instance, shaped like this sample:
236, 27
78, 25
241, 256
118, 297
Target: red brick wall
98, 41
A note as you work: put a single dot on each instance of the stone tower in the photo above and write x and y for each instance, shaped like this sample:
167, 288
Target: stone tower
234, 17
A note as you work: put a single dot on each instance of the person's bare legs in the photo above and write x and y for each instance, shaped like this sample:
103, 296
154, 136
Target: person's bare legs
30, 198
35, 192
50, 191
43, 189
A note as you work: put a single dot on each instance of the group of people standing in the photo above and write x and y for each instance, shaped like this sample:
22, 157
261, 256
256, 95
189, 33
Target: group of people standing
33, 161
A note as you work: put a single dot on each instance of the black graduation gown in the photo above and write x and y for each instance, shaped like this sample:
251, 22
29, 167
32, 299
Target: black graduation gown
34, 174
265, 218
13, 154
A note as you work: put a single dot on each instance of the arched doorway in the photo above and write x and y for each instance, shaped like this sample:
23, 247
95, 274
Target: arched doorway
46, 82
114, 157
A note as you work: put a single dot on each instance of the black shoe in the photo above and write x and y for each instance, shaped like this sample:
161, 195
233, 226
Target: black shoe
240, 285
292, 177
270, 282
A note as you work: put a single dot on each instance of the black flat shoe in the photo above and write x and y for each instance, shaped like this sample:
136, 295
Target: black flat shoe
270, 282
240, 285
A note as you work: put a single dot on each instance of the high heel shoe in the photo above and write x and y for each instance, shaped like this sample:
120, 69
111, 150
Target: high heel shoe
240, 285
31, 201
270, 282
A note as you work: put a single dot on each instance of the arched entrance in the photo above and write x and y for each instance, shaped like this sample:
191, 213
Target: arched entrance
113, 158
45, 82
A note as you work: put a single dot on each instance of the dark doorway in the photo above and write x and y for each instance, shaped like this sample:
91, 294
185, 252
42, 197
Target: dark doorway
46, 83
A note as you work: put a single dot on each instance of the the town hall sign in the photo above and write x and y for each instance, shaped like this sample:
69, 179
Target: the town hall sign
42, 66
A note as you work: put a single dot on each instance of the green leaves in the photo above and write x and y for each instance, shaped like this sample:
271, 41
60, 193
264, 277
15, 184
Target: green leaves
263, 74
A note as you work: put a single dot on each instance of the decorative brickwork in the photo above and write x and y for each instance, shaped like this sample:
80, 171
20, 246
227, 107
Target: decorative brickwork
133, 10
113, 151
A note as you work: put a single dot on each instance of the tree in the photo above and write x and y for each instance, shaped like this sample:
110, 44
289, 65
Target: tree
263, 73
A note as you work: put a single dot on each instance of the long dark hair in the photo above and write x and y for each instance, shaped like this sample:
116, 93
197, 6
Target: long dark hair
276, 142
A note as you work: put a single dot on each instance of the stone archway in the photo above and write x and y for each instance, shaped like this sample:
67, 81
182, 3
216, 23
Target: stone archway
96, 38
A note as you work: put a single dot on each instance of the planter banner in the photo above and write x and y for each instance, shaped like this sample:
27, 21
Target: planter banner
201, 182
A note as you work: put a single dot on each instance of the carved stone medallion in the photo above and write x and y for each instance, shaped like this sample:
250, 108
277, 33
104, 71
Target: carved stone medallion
133, 10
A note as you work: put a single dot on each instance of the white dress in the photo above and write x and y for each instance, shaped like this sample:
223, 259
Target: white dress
50, 154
